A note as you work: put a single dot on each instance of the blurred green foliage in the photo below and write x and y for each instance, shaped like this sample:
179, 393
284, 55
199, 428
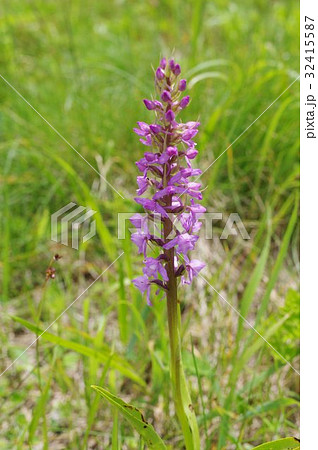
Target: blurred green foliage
86, 66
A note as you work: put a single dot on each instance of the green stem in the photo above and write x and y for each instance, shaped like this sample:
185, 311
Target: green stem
37, 352
181, 396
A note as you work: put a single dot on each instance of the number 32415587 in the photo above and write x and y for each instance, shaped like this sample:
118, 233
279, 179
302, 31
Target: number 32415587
309, 33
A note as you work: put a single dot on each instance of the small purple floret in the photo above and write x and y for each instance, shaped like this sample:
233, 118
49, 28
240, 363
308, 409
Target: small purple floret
172, 64
163, 63
155, 128
170, 116
184, 102
182, 85
160, 75
177, 70
149, 104
143, 284
166, 97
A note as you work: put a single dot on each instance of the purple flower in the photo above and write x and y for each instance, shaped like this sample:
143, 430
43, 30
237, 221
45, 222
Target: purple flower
192, 269
196, 208
166, 97
189, 134
142, 164
138, 220
149, 104
153, 267
143, 129
170, 182
151, 157
192, 125
143, 284
183, 243
151, 205
172, 151
140, 238
143, 184
155, 128
163, 63
176, 70
160, 75
147, 141
172, 64
191, 153
170, 116
182, 85
184, 102
164, 158
190, 223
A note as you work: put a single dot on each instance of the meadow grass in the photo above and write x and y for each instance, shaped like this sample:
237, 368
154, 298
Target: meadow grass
86, 68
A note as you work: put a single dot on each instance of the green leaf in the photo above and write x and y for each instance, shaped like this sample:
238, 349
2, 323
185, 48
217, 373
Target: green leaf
135, 418
269, 406
39, 409
252, 287
116, 362
278, 263
206, 75
281, 444
286, 340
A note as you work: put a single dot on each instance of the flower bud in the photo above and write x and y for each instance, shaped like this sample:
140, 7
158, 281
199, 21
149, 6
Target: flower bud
187, 135
180, 271
150, 156
182, 85
155, 128
172, 151
184, 102
192, 153
50, 273
170, 115
176, 70
160, 74
163, 63
158, 105
149, 104
172, 64
166, 97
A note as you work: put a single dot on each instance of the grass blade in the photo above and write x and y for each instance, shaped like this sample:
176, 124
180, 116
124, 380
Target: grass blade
39, 409
278, 263
116, 363
281, 444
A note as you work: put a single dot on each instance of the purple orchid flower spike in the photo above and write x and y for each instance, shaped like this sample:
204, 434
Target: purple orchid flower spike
166, 188
166, 181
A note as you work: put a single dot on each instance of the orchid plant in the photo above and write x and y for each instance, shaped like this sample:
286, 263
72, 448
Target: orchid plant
165, 235
166, 173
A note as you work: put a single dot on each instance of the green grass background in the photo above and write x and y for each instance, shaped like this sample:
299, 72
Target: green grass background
86, 66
